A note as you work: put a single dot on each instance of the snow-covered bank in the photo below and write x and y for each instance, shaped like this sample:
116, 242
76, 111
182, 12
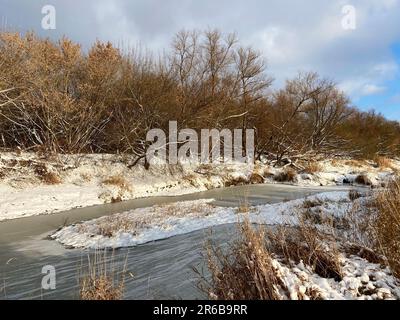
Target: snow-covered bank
140, 226
31, 184
360, 279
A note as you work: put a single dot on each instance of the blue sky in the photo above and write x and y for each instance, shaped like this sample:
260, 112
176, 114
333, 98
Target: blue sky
292, 35
388, 101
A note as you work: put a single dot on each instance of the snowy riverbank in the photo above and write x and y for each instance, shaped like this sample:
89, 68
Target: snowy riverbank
361, 278
31, 184
144, 225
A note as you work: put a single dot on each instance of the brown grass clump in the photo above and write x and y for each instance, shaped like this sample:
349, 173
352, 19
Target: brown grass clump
354, 195
387, 224
383, 162
245, 272
191, 179
256, 178
118, 181
288, 175
355, 163
101, 281
236, 181
313, 167
307, 204
244, 207
364, 253
47, 177
111, 225
307, 244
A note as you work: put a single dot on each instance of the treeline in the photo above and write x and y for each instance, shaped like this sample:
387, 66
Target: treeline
55, 97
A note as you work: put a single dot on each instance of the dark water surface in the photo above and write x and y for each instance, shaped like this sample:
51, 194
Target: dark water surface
157, 270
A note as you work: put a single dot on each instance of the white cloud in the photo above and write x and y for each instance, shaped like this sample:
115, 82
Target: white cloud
372, 89
369, 81
293, 35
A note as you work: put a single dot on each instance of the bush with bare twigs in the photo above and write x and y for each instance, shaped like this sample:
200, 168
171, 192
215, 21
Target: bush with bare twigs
55, 97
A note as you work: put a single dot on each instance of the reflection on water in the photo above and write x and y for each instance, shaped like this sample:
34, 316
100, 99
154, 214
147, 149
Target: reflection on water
158, 270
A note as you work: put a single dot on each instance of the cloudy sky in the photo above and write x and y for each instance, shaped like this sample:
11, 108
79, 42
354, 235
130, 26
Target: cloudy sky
293, 35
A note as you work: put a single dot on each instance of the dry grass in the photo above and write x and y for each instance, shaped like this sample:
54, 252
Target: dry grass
307, 204
247, 269
256, 178
305, 243
101, 281
288, 175
244, 207
133, 223
387, 224
191, 179
313, 167
86, 177
46, 176
364, 253
355, 163
118, 181
235, 181
245, 272
383, 162
354, 195
111, 225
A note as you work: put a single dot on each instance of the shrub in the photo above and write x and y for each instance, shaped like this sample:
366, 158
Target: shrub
383, 162
245, 272
101, 281
306, 244
387, 224
256, 178
118, 181
235, 181
313, 167
113, 224
46, 176
354, 195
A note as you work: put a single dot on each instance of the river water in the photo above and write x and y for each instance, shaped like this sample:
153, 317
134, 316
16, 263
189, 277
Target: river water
157, 270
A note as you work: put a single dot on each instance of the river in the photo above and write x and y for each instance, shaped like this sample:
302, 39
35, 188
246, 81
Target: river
157, 270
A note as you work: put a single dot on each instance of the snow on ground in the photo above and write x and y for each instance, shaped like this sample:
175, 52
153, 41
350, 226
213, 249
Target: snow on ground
31, 184
362, 280
160, 222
